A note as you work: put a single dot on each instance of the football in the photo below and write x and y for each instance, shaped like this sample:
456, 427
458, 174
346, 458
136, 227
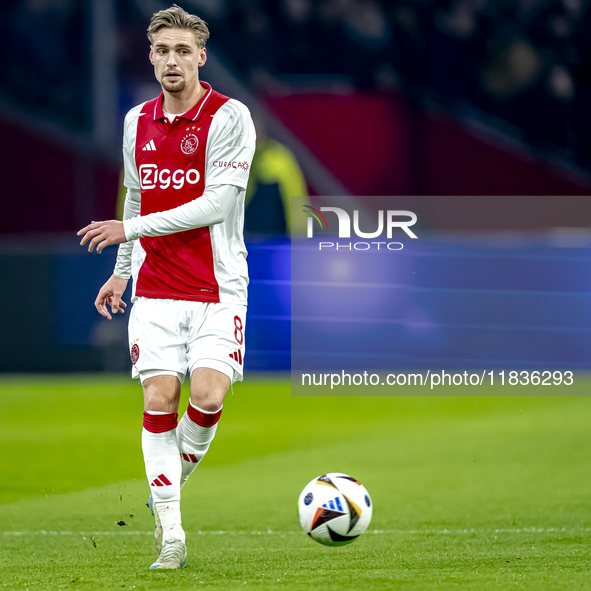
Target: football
334, 509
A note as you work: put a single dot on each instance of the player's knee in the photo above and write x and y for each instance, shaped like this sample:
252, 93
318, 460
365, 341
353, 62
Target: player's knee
208, 389
208, 401
158, 403
161, 394
209, 398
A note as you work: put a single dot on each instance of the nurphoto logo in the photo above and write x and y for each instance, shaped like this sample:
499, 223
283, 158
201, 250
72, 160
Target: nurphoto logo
389, 221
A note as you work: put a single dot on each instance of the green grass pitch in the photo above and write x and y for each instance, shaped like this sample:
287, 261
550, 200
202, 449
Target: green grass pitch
470, 492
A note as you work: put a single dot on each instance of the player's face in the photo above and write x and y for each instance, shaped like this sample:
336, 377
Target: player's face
176, 59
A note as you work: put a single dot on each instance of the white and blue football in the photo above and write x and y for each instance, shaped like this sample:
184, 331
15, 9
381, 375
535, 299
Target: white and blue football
334, 509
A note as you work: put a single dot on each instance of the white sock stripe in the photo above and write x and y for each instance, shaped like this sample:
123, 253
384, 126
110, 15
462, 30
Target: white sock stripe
198, 431
206, 412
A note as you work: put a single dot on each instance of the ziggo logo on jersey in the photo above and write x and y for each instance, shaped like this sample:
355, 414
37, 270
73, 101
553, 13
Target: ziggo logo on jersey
150, 176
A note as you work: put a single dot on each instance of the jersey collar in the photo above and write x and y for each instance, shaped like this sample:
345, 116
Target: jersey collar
192, 114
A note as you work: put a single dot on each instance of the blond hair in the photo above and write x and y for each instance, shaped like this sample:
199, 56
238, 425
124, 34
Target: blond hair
177, 18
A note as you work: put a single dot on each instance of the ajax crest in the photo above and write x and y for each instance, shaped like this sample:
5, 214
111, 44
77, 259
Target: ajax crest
135, 354
189, 144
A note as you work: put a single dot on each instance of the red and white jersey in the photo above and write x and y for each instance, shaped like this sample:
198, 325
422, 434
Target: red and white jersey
169, 165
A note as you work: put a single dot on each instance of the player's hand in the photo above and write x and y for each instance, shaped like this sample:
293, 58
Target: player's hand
111, 293
102, 234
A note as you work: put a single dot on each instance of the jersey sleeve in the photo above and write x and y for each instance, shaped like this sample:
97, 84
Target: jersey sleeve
209, 209
131, 178
131, 210
230, 146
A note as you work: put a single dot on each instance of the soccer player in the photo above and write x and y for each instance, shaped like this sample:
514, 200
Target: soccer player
186, 157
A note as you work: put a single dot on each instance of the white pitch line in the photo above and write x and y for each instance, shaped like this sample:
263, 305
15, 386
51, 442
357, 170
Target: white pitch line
524, 530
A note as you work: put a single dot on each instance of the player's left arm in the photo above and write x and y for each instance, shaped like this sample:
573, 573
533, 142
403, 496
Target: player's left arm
209, 209
231, 139
102, 234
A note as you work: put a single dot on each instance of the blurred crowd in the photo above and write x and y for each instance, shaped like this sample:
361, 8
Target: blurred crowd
522, 62
49, 53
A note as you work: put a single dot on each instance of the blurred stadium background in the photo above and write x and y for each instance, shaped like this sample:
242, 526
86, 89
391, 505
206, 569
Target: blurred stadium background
471, 113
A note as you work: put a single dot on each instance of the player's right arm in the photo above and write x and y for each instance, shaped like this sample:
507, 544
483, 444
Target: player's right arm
111, 293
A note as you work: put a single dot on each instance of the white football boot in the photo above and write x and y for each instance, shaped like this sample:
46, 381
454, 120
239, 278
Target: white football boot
158, 526
173, 555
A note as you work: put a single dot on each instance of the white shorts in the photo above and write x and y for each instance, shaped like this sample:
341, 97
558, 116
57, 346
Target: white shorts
171, 337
